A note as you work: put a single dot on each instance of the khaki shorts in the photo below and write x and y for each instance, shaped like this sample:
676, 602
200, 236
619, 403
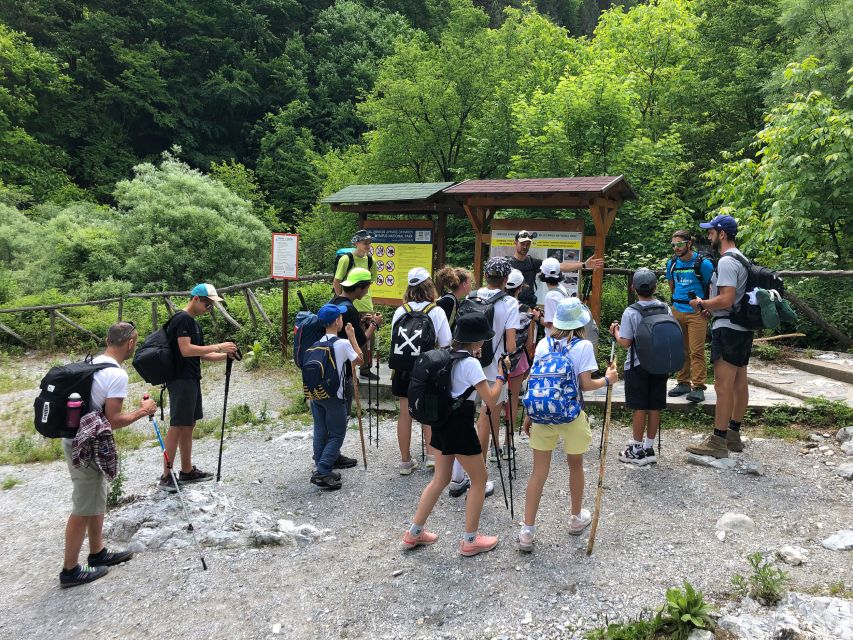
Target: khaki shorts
89, 493
576, 436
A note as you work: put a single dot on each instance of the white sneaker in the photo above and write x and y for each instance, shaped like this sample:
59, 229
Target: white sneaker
430, 462
490, 488
406, 468
492, 456
457, 489
525, 541
579, 522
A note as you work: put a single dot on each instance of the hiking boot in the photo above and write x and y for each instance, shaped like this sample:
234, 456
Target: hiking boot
526, 541
344, 463
194, 475
167, 484
430, 462
733, 441
506, 453
105, 558
649, 455
697, 395
769, 315
406, 468
577, 523
634, 454
481, 544
424, 538
679, 390
327, 482
315, 475
711, 446
459, 488
80, 575
493, 456
367, 374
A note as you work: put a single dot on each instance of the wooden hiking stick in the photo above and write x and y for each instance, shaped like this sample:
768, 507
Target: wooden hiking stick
358, 415
603, 457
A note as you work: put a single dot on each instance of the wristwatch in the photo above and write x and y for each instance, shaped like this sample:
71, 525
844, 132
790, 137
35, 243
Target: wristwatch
701, 306
501, 378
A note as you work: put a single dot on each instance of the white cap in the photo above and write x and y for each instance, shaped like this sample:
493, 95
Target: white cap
417, 275
550, 268
515, 279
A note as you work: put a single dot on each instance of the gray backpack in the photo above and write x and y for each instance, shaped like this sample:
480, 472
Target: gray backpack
658, 341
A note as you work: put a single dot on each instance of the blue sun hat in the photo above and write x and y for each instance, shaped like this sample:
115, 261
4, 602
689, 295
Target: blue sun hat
571, 314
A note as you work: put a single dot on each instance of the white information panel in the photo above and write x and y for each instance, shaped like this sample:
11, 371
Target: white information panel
285, 256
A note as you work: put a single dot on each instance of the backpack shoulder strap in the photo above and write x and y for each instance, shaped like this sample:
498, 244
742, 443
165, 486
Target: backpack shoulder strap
743, 260
429, 308
669, 265
491, 301
369, 262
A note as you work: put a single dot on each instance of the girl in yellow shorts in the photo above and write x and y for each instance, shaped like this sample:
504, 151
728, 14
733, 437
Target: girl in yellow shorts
569, 319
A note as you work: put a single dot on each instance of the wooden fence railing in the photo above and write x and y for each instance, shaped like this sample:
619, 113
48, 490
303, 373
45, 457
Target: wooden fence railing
256, 311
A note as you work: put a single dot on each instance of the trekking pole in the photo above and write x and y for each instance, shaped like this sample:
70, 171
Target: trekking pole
602, 458
228, 364
369, 407
190, 528
358, 415
377, 394
497, 454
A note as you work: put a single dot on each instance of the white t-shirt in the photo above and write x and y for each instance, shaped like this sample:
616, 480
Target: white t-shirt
438, 317
583, 355
506, 317
631, 320
466, 373
343, 353
107, 383
552, 299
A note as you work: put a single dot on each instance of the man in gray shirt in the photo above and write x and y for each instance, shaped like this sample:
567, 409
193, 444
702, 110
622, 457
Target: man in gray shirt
730, 343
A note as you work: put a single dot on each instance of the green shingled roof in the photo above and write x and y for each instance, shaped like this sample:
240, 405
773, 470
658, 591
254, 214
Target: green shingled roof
363, 193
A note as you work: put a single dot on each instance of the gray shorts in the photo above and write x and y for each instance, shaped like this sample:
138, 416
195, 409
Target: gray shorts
184, 402
89, 487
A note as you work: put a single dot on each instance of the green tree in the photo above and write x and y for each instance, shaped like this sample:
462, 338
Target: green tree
242, 182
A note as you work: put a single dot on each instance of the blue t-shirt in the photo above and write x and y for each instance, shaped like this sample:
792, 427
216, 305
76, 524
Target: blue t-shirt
686, 280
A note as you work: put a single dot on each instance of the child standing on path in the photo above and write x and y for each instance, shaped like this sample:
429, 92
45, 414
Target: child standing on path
567, 336
330, 415
645, 392
456, 439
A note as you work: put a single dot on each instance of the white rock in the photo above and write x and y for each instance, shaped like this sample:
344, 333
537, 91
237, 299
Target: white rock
844, 434
737, 465
735, 523
847, 447
845, 470
840, 540
276, 628
792, 555
528, 618
700, 634
721, 535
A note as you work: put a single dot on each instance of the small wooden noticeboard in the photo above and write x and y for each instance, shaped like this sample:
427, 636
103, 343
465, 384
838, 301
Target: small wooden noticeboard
284, 264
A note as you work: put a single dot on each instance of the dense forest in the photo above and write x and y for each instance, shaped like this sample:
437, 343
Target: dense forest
152, 143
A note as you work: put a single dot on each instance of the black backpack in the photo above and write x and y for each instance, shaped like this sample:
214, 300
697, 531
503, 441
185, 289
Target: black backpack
451, 320
520, 337
473, 304
745, 313
658, 341
59, 383
698, 259
412, 335
347, 253
157, 359
430, 401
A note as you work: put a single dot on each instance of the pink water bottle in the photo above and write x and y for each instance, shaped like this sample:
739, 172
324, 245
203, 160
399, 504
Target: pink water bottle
73, 409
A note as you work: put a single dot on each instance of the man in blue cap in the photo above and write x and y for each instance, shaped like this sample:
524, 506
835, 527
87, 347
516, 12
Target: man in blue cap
330, 415
185, 390
731, 343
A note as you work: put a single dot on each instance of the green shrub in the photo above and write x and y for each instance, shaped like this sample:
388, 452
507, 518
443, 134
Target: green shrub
766, 584
115, 495
684, 611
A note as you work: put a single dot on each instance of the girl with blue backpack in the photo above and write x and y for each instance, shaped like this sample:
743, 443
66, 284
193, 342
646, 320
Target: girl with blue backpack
562, 368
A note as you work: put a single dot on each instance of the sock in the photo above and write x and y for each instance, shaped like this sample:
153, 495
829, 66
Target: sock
458, 474
648, 443
718, 432
636, 445
734, 426
529, 528
416, 529
469, 537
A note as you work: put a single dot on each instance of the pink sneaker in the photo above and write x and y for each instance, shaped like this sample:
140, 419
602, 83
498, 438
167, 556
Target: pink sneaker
481, 544
423, 538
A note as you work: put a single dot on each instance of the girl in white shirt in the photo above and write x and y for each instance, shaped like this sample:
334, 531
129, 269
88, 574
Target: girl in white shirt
456, 439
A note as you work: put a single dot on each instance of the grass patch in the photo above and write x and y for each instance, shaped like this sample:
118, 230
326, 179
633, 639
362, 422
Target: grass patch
25, 448
797, 423
13, 383
641, 629
833, 589
128, 439
9, 482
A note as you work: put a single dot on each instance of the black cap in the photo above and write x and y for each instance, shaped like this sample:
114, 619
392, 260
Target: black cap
473, 327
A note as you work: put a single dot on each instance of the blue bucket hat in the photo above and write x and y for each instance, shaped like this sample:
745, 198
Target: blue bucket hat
328, 313
571, 314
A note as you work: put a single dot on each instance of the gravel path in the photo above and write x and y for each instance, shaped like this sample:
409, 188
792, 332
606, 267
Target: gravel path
657, 529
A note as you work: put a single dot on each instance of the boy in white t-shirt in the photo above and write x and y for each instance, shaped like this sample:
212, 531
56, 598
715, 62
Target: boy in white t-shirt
89, 495
551, 276
330, 415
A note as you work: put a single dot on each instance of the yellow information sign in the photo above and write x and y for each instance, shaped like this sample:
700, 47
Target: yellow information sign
395, 251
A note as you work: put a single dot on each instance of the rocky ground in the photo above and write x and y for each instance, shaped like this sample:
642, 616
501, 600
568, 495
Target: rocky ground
287, 560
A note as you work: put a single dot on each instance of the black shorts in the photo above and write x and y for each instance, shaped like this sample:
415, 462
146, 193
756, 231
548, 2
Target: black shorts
731, 345
458, 435
400, 383
645, 391
184, 402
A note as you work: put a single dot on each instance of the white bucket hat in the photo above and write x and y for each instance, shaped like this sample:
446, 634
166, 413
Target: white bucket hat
571, 314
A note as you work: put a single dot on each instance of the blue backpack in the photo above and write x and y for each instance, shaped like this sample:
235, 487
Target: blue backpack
307, 330
552, 390
320, 377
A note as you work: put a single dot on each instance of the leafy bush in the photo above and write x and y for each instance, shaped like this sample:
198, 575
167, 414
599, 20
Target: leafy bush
684, 611
766, 584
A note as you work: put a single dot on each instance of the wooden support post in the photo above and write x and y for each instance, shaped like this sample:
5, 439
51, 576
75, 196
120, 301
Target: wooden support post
120, 308
14, 335
249, 308
814, 316
629, 281
170, 307
603, 214
221, 309
441, 240
475, 218
260, 308
52, 328
285, 294
70, 322
154, 323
